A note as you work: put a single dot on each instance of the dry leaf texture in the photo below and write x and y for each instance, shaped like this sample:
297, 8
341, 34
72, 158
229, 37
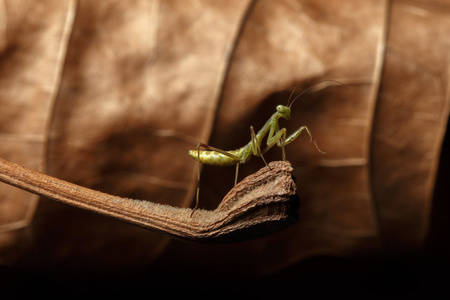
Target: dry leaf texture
111, 95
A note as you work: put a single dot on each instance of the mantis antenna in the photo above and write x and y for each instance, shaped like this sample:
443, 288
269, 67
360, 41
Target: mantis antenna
309, 88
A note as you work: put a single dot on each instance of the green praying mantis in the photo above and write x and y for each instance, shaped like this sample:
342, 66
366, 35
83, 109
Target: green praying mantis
271, 129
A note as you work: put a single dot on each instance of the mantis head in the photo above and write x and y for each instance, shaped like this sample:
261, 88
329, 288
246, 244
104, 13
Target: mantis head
284, 111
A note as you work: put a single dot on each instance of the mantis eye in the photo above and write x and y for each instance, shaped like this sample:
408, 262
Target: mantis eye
283, 109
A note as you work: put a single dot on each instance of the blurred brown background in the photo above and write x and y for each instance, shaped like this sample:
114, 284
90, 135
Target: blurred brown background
111, 95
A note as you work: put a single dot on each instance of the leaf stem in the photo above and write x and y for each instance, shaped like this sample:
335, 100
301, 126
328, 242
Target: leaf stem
260, 204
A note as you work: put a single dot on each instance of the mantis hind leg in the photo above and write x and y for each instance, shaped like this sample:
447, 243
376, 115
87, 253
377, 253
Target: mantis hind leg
237, 158
198, 168
198, 179
255, 146
255, 149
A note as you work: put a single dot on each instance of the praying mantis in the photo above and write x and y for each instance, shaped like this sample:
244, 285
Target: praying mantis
271, 129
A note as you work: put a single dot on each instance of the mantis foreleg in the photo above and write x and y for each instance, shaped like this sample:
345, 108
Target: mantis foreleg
280, 139
296, 133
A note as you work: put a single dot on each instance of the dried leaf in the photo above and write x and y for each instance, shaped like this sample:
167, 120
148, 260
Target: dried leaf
111, 95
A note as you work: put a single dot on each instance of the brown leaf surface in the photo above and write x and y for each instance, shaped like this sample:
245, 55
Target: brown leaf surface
111, 95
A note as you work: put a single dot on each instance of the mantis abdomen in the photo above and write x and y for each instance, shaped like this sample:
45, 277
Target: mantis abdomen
215, 158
